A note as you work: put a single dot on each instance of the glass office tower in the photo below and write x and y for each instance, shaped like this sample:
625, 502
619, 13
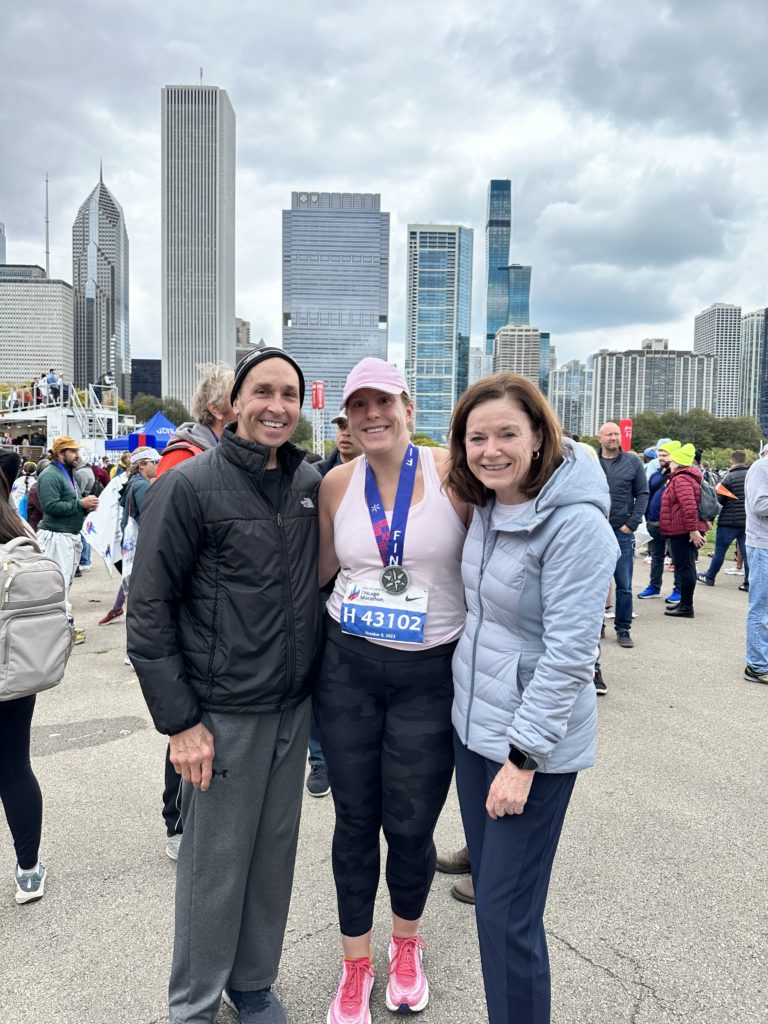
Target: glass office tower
438, 322
498, 236
100, 286
508, 286
335, 284
518, 294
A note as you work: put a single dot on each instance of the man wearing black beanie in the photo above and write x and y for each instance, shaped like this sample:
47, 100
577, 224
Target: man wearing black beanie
223, 632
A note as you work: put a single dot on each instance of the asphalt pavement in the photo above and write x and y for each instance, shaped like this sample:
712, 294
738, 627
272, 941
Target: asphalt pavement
657, 912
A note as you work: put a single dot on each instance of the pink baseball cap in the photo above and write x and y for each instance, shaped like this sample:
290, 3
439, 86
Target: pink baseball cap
374, 373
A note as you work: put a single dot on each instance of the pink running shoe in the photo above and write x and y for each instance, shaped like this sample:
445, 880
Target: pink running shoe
351, 1004
408, 988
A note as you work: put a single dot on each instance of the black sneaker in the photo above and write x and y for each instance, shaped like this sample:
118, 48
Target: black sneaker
260, 1007
599, 682
744, 587
625, 640
703, 578
317, 780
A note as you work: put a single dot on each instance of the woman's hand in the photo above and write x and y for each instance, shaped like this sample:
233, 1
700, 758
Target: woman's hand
696, 538
509, 791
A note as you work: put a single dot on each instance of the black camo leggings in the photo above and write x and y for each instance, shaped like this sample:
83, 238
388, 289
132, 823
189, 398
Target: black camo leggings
19, 789
385, 722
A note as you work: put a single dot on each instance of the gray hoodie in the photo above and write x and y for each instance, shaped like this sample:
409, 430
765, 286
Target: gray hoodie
756, 499
535, 591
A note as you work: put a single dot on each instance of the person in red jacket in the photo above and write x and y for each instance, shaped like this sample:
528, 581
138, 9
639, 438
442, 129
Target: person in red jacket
682, 525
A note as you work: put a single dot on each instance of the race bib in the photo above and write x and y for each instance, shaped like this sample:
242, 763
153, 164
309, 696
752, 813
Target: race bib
369, 611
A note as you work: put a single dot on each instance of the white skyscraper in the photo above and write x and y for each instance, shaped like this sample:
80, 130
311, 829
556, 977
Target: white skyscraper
517, 349
198, 233
36, 324
653, 378
717, 332
753, 363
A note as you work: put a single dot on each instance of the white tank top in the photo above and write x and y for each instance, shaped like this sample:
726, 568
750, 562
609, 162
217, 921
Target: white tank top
434, 541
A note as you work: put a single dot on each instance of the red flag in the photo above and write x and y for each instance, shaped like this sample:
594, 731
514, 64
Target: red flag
625, 426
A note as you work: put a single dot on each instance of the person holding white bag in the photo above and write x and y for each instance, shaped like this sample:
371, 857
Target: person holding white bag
141, 473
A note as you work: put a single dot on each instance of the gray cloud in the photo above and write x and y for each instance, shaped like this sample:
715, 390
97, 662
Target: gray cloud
634, 134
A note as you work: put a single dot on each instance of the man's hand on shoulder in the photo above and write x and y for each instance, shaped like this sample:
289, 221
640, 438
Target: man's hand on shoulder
192, 755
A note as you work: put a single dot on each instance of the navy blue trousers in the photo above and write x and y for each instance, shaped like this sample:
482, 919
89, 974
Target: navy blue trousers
511, 867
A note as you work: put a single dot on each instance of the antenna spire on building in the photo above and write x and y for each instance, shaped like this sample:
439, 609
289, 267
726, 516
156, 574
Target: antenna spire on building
101, 172
47, 235
201, 76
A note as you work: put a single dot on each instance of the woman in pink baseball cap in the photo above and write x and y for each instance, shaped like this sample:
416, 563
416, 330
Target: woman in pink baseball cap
383, 697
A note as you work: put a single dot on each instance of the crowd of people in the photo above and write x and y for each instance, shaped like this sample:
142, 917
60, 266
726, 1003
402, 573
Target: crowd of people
49, 388
399, 612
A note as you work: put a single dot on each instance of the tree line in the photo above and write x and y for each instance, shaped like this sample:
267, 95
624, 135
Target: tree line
699, 427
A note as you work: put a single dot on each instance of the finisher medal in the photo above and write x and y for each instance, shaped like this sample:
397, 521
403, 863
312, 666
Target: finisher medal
395, 579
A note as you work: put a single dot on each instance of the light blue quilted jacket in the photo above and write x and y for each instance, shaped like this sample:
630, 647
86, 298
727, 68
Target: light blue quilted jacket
535, 591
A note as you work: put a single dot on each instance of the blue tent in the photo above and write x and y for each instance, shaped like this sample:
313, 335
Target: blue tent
156, 433
161, 427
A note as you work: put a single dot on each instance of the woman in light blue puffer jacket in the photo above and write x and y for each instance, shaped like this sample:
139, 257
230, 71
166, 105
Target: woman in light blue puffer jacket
537, 563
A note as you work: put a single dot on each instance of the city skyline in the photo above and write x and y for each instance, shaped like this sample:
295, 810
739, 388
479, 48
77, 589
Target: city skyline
636, 207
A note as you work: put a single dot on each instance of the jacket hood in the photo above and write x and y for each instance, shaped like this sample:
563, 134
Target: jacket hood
578, 480
690, 471
195, 433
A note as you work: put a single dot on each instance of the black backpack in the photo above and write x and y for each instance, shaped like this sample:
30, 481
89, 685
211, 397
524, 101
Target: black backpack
709, 506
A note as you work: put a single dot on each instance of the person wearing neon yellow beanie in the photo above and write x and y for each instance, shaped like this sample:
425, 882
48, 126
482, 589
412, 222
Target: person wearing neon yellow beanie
682, 525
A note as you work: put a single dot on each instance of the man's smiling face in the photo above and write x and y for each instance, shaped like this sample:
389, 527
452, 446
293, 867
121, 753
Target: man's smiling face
267, 404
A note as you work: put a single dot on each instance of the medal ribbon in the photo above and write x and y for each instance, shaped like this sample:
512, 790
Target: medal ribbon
392, 542
68, 478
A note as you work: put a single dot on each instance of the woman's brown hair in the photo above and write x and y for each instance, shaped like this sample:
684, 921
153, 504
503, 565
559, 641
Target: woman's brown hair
460, 479
10, 524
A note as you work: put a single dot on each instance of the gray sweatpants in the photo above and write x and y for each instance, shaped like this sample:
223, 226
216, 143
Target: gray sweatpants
235, 868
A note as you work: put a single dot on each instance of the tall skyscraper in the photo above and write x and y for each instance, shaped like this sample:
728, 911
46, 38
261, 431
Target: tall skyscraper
2, 243
198, 233
498, 237
335, 284
508, 285
653, 378
517, 349
570, 395
753, 363
438, 321
717, 332
36, 324
100, 284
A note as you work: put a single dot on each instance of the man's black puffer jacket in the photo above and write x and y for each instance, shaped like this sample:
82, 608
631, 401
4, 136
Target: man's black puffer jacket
733, 512
224, 611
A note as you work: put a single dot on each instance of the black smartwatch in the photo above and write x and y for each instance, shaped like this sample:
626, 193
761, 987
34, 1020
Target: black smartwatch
522, 760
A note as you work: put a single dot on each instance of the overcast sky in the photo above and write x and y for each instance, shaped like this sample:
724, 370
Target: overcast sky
635, 135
